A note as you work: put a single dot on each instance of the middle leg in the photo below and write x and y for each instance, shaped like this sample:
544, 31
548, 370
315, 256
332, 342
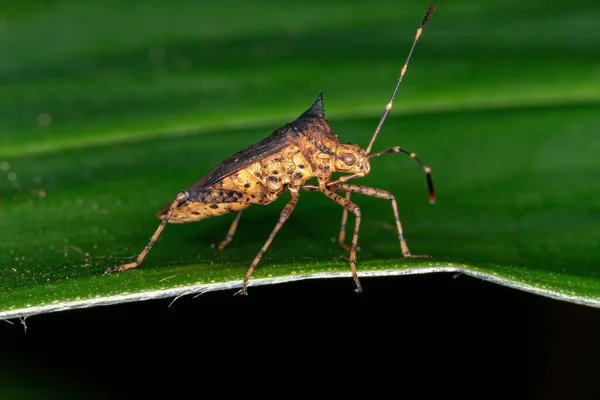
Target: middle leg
230, 232
354, 209
285, 214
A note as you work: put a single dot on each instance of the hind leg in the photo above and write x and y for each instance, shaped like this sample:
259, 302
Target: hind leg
191, 205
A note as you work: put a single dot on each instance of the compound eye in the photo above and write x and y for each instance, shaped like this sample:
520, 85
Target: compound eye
349, 159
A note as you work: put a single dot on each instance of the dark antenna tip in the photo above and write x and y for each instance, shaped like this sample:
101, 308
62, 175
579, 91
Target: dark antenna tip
430, 187
428, 15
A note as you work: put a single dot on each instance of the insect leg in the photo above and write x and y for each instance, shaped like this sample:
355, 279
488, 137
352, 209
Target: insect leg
285, 214
203, 195
382, 194
342, 235
181, 197
230, 232
354, 209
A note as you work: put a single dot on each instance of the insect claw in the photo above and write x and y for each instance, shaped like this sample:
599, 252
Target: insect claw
417, 256
222, 245
359, 288
120, 268
242, 291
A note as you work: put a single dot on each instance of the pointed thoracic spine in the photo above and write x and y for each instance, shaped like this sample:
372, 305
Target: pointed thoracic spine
316, 109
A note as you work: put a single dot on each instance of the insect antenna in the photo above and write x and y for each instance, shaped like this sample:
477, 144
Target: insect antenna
426, 169
388, 107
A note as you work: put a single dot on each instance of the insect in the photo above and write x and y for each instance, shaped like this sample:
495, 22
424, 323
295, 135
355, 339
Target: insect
301, 150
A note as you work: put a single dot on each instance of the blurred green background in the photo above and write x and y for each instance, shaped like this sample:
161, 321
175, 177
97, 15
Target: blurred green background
77, 73
108, 109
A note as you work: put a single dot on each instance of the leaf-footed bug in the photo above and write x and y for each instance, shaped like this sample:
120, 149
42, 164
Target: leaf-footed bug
303, 149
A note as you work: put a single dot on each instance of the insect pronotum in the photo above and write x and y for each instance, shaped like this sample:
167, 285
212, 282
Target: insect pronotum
303, 149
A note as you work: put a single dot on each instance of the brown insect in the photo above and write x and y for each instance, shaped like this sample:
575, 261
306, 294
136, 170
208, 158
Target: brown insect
304, 149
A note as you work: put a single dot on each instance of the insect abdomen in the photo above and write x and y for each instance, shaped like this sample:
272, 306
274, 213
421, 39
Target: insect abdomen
259, 183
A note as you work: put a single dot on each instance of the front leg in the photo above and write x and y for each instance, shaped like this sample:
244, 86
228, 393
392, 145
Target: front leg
382, 194
354, 209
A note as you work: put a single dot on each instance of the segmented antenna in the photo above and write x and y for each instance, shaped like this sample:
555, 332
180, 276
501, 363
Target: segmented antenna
388, 107
426, 169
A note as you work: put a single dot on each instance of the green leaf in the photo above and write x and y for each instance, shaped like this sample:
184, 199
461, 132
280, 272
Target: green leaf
102, 127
